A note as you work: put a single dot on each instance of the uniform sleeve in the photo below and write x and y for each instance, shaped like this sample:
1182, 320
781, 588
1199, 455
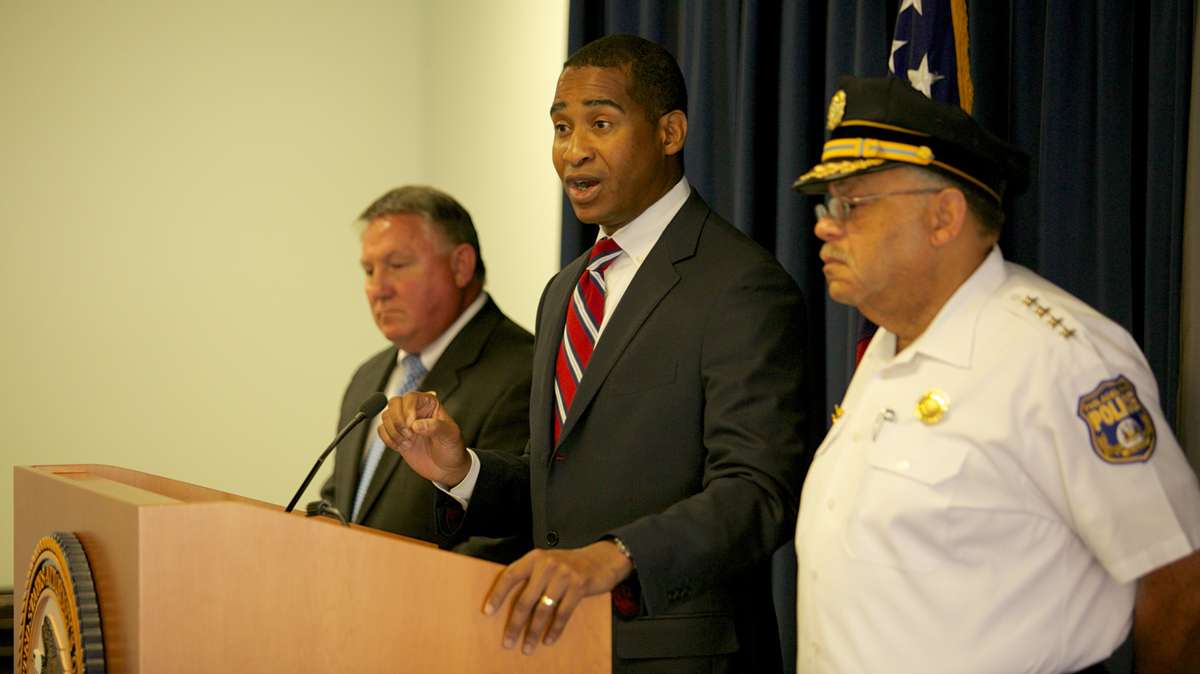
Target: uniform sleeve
1126, 487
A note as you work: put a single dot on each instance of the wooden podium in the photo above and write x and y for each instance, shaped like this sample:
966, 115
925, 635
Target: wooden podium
191, 579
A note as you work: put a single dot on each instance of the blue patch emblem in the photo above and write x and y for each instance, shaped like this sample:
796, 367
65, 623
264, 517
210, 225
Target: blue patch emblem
1119, 426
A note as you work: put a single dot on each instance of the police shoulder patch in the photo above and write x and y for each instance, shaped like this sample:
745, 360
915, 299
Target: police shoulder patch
1119, 426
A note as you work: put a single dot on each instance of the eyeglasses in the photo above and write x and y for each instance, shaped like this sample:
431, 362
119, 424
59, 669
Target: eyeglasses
839, 208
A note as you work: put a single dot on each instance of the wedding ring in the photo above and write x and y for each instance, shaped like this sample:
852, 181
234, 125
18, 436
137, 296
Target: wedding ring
548, 602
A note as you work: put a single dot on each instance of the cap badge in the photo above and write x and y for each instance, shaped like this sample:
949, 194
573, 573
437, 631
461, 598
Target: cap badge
837, 108
933, 406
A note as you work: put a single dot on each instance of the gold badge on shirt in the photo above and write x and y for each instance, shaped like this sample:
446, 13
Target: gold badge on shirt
932, 406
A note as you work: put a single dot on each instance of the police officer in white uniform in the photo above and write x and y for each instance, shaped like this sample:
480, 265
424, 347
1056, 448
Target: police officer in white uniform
999, 491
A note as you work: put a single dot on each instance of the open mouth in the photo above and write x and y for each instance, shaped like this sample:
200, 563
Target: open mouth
582, 189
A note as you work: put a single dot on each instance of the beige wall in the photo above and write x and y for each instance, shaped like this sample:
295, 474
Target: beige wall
178, 276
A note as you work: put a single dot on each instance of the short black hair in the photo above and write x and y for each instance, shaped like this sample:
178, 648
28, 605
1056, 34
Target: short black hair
655, 80
439, 208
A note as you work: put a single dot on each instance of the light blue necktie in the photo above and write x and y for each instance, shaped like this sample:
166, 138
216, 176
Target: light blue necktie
414, 372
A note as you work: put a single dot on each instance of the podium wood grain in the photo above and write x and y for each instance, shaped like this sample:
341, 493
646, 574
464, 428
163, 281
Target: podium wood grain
197, 580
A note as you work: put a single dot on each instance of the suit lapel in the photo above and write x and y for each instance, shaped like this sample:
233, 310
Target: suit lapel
653, 280
549, 336
462, 352
350, 450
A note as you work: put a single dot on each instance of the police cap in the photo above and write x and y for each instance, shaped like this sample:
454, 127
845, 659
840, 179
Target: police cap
877, 123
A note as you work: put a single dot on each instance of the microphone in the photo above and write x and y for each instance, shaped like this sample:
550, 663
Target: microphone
370, 407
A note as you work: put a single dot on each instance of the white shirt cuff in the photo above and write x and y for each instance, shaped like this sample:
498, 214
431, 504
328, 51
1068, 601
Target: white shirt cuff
463, 490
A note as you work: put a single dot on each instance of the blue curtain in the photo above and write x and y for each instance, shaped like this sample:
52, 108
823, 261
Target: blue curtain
759, 77
1096, 91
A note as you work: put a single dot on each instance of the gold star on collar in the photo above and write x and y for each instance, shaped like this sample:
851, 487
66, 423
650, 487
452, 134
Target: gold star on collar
838, 411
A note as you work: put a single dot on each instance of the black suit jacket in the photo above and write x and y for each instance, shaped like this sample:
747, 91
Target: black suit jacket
684, 440
482, 378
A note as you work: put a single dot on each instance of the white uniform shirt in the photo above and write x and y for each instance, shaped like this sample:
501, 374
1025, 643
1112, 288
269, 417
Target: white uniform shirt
1006, 536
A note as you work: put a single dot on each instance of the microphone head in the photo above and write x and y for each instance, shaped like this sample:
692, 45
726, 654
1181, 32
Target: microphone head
373, 405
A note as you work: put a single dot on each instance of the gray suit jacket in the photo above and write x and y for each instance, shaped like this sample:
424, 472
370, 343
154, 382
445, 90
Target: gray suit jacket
482, 378
684, 440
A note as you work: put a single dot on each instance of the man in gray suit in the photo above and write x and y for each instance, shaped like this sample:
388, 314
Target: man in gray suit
424, 283
665, 453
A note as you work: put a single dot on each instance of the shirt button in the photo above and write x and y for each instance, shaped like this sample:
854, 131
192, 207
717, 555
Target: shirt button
857, 437
831, 504
903, 464
552, 538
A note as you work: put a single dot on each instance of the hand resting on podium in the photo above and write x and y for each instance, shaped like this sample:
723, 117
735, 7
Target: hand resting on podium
550, 583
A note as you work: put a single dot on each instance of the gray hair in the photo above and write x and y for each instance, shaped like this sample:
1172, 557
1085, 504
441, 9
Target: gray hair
988, 213
439, 208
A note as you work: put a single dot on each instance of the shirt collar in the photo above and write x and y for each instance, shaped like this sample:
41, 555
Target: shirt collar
639, 236
950, 337
430, 354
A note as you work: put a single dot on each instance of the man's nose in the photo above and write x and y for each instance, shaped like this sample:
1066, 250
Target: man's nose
577, 148
378, 286
828, 228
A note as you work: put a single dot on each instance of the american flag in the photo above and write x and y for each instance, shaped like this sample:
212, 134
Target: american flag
929, 49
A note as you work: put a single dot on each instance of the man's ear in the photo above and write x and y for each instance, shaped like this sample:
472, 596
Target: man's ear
462, 264
948, 216
672, 132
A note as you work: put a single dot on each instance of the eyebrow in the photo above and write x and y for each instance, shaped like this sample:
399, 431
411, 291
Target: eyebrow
590, 103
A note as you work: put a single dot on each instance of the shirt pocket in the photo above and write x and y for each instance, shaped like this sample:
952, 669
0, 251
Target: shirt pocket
901, 516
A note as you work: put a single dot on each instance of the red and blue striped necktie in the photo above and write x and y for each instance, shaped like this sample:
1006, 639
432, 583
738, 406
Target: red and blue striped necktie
585, 312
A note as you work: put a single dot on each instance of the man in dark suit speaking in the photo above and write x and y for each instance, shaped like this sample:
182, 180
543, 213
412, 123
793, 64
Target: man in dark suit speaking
424, 283
664, 461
